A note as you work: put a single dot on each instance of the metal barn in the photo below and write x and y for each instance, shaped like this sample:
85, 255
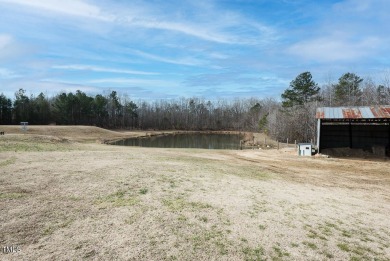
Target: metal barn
365, 128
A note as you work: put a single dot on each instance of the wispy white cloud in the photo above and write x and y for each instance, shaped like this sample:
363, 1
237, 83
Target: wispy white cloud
218, 55
345, 33
190, 61
136, 82
137, 88
5, 40
224, 27
356, 5
68, 7
53, 87
10, 48
235, 78
328, 49
186, 28
80, 67
8, 74
50, 88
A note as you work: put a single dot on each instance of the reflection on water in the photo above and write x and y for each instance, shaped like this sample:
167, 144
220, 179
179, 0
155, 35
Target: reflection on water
199, 140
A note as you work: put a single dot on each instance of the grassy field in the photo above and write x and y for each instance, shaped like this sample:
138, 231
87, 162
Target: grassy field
64, 196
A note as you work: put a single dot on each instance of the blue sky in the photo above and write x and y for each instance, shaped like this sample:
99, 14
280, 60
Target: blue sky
160, 49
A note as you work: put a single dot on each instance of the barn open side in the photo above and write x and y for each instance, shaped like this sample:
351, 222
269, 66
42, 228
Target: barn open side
354, 131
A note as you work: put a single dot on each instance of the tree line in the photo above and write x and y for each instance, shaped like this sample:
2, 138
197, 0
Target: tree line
292, 118
119, 112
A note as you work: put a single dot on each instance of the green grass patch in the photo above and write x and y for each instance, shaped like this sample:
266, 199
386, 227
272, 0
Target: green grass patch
16, 146
204, 219
258, 207
328, 255
346, 233
143, 191
221, 247
250, 171
182, 218
134, 217
75, 198
366, 239
279, 252
312, 234
294, 245
89, 254
35, 143
48, 230
344, 247
310, 245
13, 195
199, 205
179, 204
362, 251
199, 163
254, 254
117, 199
213, 238
262, 227
331, 225
175, 205
319, 233
172, 184
326, 230
7, 162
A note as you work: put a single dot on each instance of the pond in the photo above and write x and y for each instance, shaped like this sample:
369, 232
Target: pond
198, 140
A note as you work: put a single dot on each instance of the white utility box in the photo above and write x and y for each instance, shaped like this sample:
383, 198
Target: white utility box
305, 149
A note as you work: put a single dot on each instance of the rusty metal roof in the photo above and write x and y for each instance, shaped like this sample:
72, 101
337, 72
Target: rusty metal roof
369, 112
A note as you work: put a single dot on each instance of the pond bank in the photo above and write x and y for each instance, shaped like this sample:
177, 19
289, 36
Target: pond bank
93, 134
187, 140
247, 136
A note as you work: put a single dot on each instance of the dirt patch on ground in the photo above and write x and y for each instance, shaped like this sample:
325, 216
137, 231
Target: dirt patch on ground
65, 200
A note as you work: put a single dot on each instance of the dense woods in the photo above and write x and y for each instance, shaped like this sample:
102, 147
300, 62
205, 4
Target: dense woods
291, 118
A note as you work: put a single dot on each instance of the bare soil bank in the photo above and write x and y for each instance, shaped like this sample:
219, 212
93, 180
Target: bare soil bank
65, 200
72, 133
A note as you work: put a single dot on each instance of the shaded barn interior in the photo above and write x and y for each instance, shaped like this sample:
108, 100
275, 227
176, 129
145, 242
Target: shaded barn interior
354, 131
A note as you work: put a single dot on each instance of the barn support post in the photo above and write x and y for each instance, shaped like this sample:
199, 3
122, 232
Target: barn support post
388, 137
318, 134
350, 135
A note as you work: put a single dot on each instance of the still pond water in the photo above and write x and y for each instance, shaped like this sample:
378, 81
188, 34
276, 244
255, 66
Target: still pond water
199, 140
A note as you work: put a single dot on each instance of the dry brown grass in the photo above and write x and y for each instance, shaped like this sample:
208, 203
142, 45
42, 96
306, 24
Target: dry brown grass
65, 200
71, 133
